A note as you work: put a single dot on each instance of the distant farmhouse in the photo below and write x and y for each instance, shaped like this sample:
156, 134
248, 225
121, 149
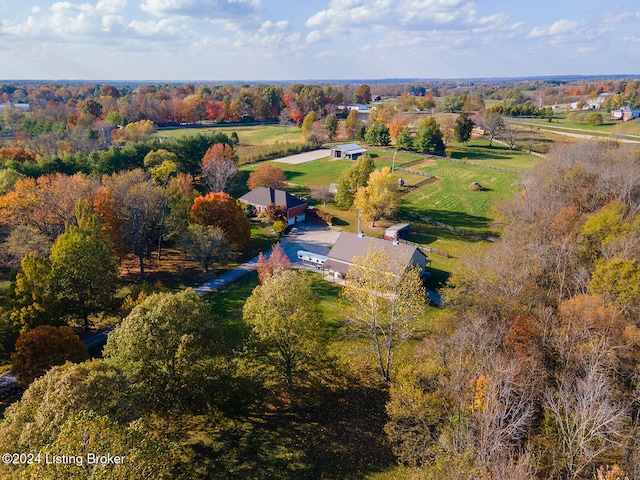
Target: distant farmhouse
625, 113
23, 107
350, 245
348, 151
262, 197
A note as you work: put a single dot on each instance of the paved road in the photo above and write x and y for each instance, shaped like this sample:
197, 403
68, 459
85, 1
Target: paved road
303, 236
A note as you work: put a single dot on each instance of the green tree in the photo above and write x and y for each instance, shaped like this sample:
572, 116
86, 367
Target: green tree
352, 179
385, 298
331, 126
289, 328
404, 140
162, 166
464, 126
429, 138
377, 134
32, 300
84, 273
206, 245
594, 118
85, 434
8, 178
379, 198
452, 103
38, 417
43, 347
164, 348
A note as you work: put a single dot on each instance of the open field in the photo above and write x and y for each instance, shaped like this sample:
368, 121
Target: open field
623, 130
248, 135
497, 155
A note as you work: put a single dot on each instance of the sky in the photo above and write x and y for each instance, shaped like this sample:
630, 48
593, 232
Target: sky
271, 40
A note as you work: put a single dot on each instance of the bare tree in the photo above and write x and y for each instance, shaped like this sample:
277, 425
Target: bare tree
493, 124
511, 134
322, 194
219, 167
589, 421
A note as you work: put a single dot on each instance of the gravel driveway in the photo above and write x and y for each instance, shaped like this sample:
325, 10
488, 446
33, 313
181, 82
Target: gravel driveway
304, 157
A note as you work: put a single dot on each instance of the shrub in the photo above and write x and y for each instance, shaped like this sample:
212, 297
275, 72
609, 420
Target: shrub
279, 227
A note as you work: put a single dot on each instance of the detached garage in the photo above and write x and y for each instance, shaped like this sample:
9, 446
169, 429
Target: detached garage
348, 151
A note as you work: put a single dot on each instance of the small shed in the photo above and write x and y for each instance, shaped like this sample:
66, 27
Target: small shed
349, 151
394, 232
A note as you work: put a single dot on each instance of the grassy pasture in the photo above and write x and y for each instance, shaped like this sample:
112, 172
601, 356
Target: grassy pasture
248, 135
496, 155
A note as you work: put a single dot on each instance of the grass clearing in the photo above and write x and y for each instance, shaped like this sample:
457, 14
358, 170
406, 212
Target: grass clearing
497, 155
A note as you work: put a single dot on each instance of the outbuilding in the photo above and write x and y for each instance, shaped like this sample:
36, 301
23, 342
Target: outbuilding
348, 151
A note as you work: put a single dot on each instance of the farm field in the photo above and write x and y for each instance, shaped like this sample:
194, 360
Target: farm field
624, 130
248, 135
497, 155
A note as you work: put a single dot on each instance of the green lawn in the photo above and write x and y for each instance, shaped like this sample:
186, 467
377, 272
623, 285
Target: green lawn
451, 201
249, 135
497, 155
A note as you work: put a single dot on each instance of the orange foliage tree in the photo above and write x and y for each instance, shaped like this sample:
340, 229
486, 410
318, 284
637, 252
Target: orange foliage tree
223, 211
266, 175
43, 347
46, 203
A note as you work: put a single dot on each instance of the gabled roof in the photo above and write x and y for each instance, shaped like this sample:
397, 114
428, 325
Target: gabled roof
350, 148
350, 245
266, 196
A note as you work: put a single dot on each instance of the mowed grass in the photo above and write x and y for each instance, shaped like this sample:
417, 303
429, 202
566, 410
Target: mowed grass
451, 201
497, 155
248, 135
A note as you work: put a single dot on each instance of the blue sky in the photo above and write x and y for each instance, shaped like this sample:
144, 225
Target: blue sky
199, 40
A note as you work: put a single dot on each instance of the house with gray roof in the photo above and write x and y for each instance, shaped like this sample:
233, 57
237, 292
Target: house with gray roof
348, 151
262, 197
349, 245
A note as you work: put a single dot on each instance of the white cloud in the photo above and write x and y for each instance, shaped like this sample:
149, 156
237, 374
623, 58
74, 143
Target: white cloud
111, 6
162, 28
202, 9
314, 36
270, 26
35, 9
561, 27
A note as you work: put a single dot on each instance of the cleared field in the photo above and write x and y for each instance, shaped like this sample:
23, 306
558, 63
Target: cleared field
248, 135
496, 155
451, 201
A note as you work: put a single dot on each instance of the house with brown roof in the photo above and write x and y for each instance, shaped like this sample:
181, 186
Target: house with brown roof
349, 245
262, 197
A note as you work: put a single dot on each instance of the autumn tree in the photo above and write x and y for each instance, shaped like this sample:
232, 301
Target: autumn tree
22, 240
379, 198
43, 347
206, 245
8, 178
222, 211
219, 167
352, 123
385, 297
162, 167
273, 263
47, 203
288, 328
164, 348
129, 205
267, 175
352, 179
362, 94
307, 124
